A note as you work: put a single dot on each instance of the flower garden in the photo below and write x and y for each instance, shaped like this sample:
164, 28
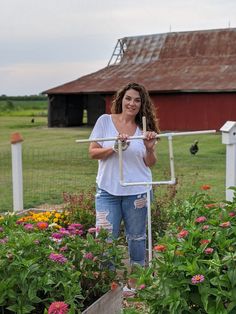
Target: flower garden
49, 265
194, 264
57, 262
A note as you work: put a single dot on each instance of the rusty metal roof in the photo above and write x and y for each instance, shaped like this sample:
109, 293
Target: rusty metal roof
179, 61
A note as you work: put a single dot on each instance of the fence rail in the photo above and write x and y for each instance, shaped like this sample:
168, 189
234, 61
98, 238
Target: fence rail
48, 172
46, 175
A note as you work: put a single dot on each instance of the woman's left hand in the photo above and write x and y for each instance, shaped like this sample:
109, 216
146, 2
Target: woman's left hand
150, 140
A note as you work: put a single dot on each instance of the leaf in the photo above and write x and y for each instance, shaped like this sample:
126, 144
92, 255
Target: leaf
231, 306
232, 276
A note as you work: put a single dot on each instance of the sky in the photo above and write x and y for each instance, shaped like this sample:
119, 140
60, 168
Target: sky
46, 43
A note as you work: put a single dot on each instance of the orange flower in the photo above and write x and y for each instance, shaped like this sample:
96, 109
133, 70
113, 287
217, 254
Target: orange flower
204, 241
225, 224
42, 225
209, 205
205, 187
159, 248
114, 285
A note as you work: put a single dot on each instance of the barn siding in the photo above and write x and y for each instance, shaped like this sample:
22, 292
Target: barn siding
192, 111
65, 110
201, 111
96, 106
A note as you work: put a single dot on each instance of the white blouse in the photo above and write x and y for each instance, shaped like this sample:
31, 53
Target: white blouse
134, 168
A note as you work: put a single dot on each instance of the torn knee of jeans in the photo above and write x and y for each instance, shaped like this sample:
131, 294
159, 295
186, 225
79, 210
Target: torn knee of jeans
138, 237
102, 221
140, 202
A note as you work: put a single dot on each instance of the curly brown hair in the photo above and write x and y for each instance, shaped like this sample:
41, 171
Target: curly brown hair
147, 108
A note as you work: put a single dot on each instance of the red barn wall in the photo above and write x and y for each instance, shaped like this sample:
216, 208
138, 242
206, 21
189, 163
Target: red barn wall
192, 111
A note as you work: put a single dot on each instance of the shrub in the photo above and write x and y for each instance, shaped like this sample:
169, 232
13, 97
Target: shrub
81, 207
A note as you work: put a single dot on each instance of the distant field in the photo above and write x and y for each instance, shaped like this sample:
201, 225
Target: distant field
54, 163
14, 107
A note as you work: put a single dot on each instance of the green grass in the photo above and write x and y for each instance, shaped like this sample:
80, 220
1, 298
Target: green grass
53, 163
30, 108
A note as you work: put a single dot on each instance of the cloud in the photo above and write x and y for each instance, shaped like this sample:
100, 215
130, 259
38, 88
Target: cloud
38, 38
30, 78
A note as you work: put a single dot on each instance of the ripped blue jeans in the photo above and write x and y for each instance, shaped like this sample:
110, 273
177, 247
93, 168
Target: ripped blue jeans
111, 209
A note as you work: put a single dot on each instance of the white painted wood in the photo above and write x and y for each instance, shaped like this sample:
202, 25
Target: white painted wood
230, 170
17, 176
229, 138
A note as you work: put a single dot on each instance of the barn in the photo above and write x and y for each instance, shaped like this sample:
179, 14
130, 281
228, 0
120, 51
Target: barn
191, 78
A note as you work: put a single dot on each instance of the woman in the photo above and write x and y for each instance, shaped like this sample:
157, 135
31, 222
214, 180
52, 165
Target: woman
113, 201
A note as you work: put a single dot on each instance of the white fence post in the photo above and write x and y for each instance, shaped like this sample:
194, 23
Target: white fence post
229, 138
17, 177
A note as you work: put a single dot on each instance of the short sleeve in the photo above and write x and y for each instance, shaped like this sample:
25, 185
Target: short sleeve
98, 130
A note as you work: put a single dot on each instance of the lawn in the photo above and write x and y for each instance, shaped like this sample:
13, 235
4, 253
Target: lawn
54, 163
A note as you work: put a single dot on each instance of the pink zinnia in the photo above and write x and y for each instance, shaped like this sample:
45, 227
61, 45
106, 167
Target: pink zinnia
58, 258
64, 231
182, 234
142, 286
205, 227
64, 248
1, 229
232, 214
209, 250
28, 227
4, 240
58, 308
57, 235
197, 279
79, 232
92, 230
76, 226
200, 219
225, 224
88, 255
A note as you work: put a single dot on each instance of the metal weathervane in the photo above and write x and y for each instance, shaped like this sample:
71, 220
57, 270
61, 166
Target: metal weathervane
147, 184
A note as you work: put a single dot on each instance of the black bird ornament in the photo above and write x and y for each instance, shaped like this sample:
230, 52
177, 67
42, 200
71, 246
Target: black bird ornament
194, 148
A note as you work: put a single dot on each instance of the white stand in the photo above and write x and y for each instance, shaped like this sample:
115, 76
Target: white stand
229, 138
230, 170
148, 184
17, 177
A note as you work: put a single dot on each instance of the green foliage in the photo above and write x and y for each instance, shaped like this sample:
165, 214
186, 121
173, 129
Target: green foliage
23, 106
81, 207
199, 241
32, 276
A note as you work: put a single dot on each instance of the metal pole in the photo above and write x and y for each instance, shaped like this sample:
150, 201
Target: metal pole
172, 169
149, 224
101, 139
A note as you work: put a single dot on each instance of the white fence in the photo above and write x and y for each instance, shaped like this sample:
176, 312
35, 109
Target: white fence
228, 138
